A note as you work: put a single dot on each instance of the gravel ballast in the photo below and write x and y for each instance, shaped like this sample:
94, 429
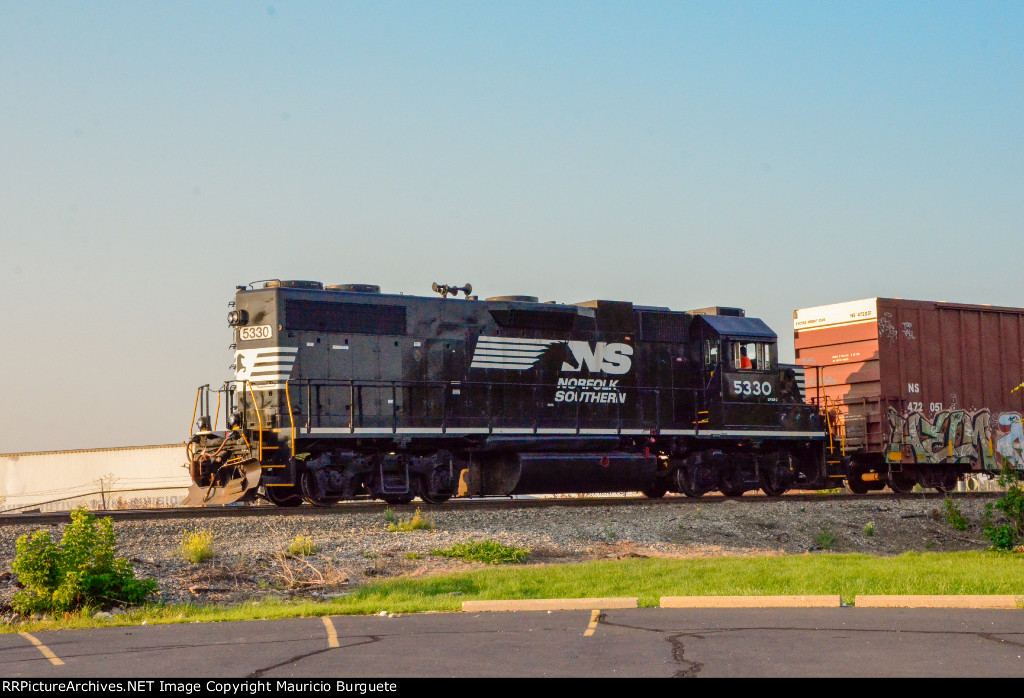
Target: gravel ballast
354, 547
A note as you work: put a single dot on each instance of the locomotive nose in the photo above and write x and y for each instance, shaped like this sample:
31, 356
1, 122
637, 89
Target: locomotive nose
239, 479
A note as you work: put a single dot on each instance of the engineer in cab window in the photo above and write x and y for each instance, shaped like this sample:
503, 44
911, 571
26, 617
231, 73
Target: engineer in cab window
745, 364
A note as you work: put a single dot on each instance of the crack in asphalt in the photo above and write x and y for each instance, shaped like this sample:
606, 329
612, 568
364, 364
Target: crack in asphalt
370, 639
688, 669
691, 669
1000, 640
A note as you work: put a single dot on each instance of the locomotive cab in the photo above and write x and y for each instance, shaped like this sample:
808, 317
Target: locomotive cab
745, 393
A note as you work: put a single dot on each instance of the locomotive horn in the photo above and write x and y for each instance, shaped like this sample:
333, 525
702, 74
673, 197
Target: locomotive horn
445, 289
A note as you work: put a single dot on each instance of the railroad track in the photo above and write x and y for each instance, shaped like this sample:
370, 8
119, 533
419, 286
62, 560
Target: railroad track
481, 504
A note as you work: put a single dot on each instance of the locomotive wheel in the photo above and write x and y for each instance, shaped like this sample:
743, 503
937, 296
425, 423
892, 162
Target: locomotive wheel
771, 486
284, 496
730, 483
901, 483
431, 497
313, 493
685, 484
777, 477
436, 486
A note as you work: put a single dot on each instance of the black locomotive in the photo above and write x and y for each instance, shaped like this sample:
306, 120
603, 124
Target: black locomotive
345, 392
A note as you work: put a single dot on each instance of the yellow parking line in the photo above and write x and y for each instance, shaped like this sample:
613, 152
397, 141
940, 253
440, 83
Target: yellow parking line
47, 652
332, 636
594, 615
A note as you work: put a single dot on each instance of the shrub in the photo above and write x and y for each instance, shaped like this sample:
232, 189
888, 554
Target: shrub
418, 522
1007, 533
389, 516
302, 545
954, 517
81, 571
869, 529
488, 551
197, 545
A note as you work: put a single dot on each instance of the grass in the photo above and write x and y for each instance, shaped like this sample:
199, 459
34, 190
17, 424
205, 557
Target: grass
848, 575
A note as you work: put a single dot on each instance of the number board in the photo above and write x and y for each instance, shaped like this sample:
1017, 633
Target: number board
750, 387
258, 332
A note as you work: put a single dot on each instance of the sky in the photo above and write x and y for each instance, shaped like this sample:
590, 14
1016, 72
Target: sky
770, 156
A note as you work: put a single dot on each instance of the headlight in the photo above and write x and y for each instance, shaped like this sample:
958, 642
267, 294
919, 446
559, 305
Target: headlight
237, 318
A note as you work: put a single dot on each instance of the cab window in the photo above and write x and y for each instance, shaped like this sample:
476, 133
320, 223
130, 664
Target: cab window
750, 356
710, 352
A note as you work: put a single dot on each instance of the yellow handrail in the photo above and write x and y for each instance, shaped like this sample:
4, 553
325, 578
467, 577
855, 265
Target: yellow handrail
291, 418
194, 410
828, 424
259, 420
840, 425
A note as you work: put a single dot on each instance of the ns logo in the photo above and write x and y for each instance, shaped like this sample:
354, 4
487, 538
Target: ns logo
604, 357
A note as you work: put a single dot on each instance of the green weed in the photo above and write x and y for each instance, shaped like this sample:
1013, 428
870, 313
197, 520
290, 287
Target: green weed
302, 545
197, 545
825, 538
955, 517
417, 523
488, 551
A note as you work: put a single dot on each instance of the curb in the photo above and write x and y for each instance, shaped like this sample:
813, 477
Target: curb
550, 604
830, 601
993, 601
948, 601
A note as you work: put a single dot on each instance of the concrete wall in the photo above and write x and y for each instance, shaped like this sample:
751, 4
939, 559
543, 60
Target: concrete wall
140, 477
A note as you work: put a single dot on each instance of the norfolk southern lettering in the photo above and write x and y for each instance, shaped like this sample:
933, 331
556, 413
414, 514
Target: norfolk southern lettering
589, 390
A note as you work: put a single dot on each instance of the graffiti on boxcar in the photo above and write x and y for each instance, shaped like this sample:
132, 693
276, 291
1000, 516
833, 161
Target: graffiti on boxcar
886, 328
959, 436
1011, 442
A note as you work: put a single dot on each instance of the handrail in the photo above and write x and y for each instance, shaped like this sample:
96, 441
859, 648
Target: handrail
291, 418
195, 409
259, 420
840, 425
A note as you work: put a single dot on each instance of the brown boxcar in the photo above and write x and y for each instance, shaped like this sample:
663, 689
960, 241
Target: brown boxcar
916, 391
